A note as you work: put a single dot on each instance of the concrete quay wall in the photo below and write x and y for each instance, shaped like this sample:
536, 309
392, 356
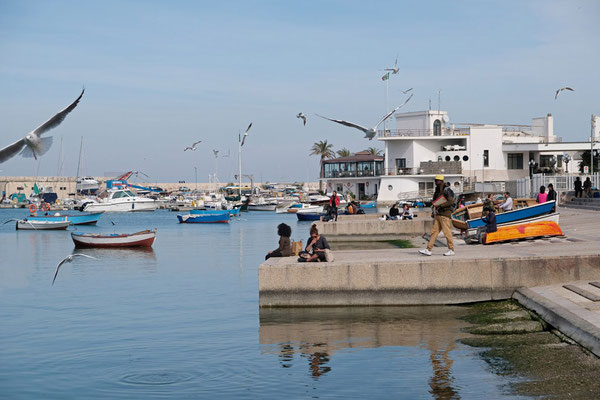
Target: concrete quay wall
373, 229
286, 283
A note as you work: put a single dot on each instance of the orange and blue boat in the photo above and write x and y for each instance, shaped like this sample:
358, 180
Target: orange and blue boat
524, 231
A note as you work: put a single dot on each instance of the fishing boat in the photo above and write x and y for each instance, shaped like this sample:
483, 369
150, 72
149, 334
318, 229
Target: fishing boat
524, 231
138, 239
26, 224
208, 217
554, 217
75, 219
304, 208
469, 217
262, 206
368, 204
234, 212
121, 200
309, 216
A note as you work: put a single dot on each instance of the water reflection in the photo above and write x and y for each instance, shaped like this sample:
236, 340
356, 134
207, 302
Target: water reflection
317, 334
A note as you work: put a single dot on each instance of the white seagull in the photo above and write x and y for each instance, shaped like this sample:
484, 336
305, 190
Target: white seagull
246, 133
407, 90
395, 69
193, 146
69, 259
369, 132
34, 145
216, 153
560, 90
302, 116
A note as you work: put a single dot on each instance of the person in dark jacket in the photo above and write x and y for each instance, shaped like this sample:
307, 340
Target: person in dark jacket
489, 217
587, 187
578, 187
394, 212
285, 245
551, 195
334, 203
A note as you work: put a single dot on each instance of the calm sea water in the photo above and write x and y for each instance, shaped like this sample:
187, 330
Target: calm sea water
182, 321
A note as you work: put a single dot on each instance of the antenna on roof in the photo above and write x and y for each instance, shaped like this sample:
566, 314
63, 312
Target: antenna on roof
430, 104
439, 98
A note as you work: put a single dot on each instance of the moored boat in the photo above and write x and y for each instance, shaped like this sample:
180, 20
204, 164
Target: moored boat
470, 217
138, 239
368, 204
262, 207
524, 231
309, 216
209, 217
122, 200
75, 219
26, 224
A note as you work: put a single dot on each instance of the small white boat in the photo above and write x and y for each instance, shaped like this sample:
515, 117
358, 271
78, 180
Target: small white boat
138, 239
25, 224
309, 209
122, 200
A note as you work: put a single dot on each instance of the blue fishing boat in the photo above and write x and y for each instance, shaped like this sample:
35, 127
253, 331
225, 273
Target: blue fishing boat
235, 212
203, 211
205, 218
369, 204
82, 218
310, 216
504, 217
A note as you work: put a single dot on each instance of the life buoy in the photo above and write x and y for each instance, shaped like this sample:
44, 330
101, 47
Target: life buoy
367, 183
45, 206
348, 184
32, 208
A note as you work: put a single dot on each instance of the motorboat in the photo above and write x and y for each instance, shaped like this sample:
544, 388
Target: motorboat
262, 206
138, 239
309, 216
121, 200
75, 219
554, 217
87, 185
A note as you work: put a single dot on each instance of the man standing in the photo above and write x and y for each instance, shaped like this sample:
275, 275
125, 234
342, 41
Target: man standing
334, 202
578, 187
587, 187
443, 202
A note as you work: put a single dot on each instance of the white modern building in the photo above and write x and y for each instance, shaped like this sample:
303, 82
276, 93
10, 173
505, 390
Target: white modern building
425, 144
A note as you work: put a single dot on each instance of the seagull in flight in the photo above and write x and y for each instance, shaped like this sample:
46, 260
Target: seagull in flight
69, 259
302, 116
216, 153
395, 69
369, 132
246, 133
407, 90
193, 146
561, 89
33, 145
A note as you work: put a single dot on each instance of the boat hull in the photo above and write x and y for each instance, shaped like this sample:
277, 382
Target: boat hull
206, 218
524, 231
501, 218
75, 219
125, 206
554, 217
309, 216
138, 239
262, 207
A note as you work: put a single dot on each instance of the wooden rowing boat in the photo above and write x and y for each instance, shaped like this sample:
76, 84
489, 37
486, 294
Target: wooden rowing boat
138, 239
524, 231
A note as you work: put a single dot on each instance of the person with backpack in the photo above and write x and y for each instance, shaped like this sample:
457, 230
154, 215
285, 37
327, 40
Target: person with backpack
443, 205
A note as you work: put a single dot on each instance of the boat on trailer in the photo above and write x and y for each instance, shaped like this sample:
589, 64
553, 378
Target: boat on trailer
469, 217
137, 239
524, 231
554, 217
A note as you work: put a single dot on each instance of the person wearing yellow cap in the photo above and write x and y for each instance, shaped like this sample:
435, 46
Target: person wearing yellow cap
443, 204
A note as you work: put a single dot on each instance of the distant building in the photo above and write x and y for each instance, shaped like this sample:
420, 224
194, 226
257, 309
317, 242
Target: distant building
357, 174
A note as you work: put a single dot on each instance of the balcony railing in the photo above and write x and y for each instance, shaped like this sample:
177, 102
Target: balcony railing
351, 174
422, 132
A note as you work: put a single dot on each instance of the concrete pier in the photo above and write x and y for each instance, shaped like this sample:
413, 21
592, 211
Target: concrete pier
361, 228
404, 277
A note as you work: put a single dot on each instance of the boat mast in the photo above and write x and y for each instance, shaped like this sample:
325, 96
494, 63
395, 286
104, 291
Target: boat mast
79, 163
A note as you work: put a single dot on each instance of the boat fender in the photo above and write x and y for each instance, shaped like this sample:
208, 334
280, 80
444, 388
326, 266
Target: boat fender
45, 207
32, 208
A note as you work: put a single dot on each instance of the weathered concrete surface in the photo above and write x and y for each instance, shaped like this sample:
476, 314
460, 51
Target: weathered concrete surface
575, 316
402, 276
362, 229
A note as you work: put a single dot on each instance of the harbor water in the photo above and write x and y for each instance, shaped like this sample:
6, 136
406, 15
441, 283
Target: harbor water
182, 321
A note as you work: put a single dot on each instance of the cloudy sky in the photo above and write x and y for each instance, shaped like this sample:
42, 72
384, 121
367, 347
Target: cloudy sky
161, 75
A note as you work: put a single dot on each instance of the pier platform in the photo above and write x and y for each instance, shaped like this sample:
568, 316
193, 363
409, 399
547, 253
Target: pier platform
369, 228
404, 277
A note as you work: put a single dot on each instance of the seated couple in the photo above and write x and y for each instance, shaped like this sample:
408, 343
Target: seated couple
315, 248
396, 214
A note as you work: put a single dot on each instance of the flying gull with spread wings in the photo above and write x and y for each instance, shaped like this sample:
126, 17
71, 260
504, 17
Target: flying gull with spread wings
33, 145
246, 134
193, 146
395, 69
69, 259
369, 132
560, 90
302, 116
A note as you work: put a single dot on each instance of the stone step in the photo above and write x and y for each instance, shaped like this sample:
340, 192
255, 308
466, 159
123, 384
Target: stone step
583, 200
581, 206
582, 292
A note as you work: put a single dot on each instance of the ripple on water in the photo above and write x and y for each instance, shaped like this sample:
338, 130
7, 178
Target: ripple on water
156, 378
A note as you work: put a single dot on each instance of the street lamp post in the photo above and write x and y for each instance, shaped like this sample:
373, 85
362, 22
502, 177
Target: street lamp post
196, 178
566, 159
241, 141
532, 165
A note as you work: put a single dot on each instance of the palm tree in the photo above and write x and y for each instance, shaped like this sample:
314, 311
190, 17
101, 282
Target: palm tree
324, 150
344, 152
373, 151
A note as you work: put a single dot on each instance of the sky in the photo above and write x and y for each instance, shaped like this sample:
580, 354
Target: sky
161, 75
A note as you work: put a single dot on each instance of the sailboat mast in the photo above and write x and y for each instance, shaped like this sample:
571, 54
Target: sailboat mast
79, 163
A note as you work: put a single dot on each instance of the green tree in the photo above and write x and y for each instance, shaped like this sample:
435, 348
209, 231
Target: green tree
344, 152
373, 151
324, 150
585, 161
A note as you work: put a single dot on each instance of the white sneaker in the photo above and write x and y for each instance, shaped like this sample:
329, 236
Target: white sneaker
425, 252
449, 253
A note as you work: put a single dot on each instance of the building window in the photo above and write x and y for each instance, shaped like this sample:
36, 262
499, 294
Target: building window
390, 187
465, 158
546, 161
515, 161
425, 188
456, 158
486, 158
447, 158
559, 161
437, 128
400, 163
